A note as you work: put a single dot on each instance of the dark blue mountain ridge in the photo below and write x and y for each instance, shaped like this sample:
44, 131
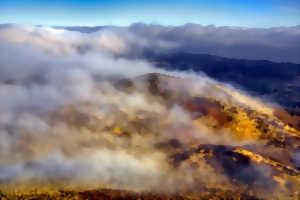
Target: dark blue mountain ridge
277, 81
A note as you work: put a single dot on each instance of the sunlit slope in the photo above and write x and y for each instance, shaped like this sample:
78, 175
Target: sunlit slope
197, 138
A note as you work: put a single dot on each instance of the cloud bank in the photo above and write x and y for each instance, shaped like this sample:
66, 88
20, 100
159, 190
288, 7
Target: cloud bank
279, 44
63, 116
52, 83
42, 71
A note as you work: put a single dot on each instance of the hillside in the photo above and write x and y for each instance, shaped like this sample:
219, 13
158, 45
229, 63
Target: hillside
195, 139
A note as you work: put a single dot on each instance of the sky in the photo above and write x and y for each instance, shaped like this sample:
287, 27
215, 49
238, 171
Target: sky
247, 13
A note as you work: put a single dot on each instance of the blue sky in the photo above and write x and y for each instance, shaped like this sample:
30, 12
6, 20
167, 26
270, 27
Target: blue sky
250, 13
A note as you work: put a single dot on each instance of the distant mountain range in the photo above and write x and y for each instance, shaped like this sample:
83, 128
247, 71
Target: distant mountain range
279, 82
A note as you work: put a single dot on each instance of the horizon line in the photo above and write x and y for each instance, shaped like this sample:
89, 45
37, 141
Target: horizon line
154, 24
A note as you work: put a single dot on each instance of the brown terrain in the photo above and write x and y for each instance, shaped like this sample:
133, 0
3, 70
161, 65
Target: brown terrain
230, 146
